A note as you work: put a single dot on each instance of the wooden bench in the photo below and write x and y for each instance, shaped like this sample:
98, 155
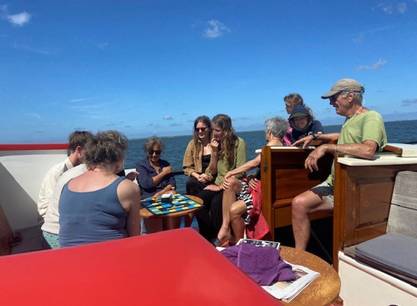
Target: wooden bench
363, 192
283, 176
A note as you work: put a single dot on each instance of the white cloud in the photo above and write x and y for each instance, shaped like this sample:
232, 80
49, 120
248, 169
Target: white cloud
167, 117
393, 8
31, 49
86, 108
80, 99
19, 19
360, 38
375, 66
386, 8
215, 29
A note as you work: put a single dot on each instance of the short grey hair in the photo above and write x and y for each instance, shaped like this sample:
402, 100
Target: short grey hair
277, 126
357, 96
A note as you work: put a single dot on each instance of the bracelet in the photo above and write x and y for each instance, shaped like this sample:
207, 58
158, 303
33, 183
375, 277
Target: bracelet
315, 135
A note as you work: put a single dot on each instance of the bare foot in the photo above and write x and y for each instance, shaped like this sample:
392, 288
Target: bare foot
224, 235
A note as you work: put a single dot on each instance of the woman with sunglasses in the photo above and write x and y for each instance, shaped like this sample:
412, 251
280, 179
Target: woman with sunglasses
155, 178
200, 157
155, 174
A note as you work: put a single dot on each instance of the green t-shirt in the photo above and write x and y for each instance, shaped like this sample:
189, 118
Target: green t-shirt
358, 128
223, 166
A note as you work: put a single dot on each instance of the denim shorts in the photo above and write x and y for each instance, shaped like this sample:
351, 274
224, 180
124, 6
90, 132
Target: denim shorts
325, 191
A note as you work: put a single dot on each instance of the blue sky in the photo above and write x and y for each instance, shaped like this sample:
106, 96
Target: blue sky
150, 67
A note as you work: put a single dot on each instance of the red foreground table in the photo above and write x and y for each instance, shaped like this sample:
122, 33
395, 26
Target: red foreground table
175, 267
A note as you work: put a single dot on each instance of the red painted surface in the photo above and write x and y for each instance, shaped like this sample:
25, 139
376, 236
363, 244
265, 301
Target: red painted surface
26, 147
169, 268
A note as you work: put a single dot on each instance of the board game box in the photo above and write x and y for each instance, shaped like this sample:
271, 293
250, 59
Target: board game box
178, 203
259, 243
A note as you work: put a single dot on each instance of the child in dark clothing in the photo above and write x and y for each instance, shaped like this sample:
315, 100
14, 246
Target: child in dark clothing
303, 123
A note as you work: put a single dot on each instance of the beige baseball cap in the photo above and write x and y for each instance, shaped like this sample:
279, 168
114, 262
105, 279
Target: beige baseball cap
344, 85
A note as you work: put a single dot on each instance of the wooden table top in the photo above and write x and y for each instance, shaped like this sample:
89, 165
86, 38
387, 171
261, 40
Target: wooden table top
324, 289
145, 213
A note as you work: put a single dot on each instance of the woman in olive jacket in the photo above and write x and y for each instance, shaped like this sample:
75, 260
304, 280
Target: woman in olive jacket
200, 157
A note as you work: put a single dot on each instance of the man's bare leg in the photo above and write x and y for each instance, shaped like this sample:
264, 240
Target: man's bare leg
302, 205
236, 212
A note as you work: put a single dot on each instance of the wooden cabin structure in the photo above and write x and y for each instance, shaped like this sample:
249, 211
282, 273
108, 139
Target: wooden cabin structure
363, 190
283, 176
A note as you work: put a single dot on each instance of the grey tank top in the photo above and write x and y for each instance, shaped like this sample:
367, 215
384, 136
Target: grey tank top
86, 217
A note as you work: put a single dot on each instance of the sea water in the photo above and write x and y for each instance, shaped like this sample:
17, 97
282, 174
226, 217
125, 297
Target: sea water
174, 147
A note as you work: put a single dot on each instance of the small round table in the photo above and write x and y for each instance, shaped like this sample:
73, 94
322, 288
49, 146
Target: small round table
145, 213
324, 289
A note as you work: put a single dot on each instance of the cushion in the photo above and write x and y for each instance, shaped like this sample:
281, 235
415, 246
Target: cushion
392, 253
403, 211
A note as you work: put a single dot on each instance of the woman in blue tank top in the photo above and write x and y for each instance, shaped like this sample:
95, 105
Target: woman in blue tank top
98, 205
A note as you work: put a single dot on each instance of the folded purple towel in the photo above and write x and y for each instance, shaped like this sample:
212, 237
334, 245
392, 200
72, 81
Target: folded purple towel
262, 264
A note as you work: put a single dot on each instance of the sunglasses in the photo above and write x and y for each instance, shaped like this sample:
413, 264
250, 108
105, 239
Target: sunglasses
334, 98
203, 129
156, 152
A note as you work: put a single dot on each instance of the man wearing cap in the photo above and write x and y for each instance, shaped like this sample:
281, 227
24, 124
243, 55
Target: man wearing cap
362, 134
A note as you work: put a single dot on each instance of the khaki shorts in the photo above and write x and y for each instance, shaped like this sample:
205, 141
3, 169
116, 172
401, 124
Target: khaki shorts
325, 191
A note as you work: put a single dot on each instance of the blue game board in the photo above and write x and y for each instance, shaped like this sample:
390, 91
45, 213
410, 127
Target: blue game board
178, 203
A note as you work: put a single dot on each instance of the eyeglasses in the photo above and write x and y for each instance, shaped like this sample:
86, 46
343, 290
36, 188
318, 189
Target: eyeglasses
156, 152
334, 98
203, 129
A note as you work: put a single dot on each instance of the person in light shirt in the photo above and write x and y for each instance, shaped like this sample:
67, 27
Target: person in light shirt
76, 143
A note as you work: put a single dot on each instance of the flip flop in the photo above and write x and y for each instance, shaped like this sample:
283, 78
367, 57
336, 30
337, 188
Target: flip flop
216, 242
224, 242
